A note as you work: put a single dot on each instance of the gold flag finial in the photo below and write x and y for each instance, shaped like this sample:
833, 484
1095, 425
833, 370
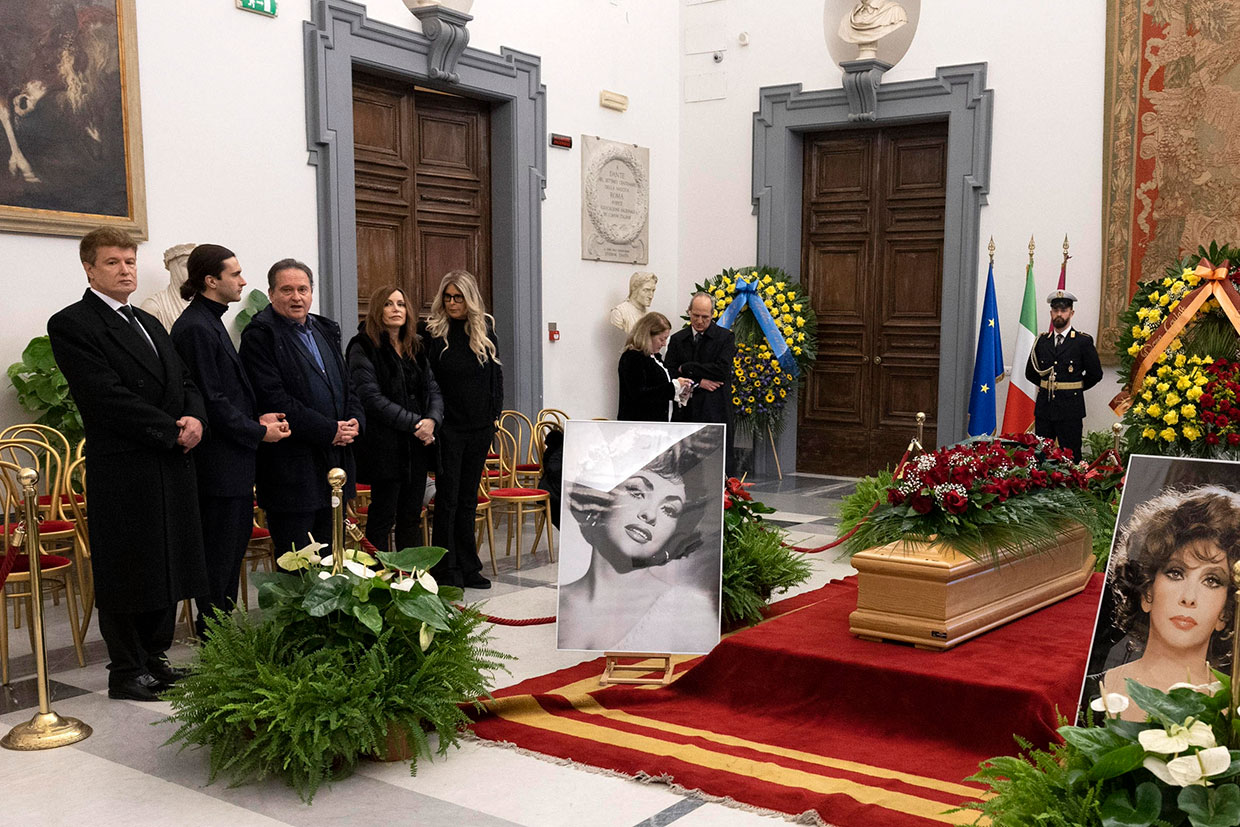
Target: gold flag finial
1031, 249
1065, 249
991, 248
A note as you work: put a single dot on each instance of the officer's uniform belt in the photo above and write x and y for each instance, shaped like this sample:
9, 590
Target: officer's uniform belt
1062, 386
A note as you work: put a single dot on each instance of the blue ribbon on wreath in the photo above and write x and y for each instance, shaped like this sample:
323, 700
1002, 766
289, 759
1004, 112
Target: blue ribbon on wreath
747, 296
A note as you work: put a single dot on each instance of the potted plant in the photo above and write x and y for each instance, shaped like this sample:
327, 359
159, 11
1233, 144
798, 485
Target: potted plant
756, 563
42, 389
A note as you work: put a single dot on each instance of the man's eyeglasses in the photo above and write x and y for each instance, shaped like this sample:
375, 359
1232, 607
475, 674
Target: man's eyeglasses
453, 298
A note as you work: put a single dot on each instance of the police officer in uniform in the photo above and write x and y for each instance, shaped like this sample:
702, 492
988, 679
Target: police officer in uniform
1063, 364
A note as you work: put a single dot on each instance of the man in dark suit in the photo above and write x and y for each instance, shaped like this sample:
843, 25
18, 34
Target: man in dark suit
142, 416
1064, 364
225, 457
704, 352
294, 363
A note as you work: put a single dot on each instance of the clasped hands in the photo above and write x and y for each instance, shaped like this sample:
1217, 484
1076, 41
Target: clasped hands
189, 433
277, 428
425, 431
346, 432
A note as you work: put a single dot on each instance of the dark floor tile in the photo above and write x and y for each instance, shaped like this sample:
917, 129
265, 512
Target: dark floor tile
24, 694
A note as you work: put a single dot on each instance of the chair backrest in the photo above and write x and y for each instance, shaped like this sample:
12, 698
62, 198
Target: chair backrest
507, 445
42, 433
43, 457
519, 425
11, 513
553, 414
541, 430
75, 486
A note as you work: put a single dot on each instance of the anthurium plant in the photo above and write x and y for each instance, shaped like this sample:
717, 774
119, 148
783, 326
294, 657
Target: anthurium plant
1174, 768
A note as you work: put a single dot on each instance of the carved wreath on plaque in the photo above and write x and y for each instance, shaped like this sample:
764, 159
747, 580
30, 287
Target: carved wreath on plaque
616, 231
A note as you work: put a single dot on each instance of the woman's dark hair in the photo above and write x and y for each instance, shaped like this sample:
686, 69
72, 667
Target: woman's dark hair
205, 260
1172, 521
377, 331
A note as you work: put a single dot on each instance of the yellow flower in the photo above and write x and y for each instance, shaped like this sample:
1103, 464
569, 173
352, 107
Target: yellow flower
1178, 286
770, 397
1137, 410
796, 307
1153, 297
1164, 300
1200, 380
800, 321
1180, 360
1173, 305
778, 381
1136, 331
1171, 417
766, 279
1147, 396
754, 274
1163, 387
1188, 411
784, 308
1153, 410
736, 401
1191, 278
786, 318
1163, 370
1172, 399
1154, 318
1183, 383
796, 351
1165, 283
782, 393
1149, 433
770, 291
1191, 433
1148, 381
1207, 360
1176, 344
1142, 312
1193, 393
1134, 348
779, 285
1167, 434
721, 303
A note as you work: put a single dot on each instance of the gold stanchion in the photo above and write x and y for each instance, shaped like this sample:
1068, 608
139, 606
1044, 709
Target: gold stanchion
336, 478
775, 452
46, 730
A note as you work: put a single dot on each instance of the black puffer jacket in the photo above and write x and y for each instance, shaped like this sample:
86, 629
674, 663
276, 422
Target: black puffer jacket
396, 394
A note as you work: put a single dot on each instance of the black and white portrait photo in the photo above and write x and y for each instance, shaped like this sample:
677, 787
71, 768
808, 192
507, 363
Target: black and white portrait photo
642, 537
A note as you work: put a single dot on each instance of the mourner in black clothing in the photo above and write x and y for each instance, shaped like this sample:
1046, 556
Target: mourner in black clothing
704, 352
646, 388
1064, 364
403, 407
460, 342
225, 457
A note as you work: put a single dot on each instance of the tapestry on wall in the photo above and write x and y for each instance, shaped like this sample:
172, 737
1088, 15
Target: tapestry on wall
1171, 146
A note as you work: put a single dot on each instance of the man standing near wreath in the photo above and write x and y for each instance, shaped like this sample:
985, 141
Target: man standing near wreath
142, 415
1063, 364
704, 352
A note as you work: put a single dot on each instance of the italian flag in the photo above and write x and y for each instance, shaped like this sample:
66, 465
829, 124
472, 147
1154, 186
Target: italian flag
1018, 412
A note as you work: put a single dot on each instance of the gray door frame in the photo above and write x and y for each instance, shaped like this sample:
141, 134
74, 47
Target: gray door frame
956, 94
338, 37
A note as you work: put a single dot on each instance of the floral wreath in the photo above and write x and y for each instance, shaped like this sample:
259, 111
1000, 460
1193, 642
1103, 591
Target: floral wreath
761, 385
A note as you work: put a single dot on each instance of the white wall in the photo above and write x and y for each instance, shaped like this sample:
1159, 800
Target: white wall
224, 128
1045, 65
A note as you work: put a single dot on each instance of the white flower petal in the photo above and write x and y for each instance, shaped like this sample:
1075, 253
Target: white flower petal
425, 635
1214, 760
1160, 741
1185, 771
404, 584
1159, 768
1201, 735
358, 569
428, 582
325, 575
1112, 703
327, 561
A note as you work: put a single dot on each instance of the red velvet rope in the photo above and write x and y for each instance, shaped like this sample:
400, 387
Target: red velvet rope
837, 540
6, 565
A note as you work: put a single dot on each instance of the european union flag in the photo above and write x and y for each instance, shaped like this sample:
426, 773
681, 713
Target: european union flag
988, 367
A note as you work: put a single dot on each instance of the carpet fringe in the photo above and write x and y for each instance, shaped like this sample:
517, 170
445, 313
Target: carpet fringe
809, 817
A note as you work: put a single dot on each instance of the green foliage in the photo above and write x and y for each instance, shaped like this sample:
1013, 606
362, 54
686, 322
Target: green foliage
255, 301
756, 563
870, 491
42, 389
333, 665
1044, 788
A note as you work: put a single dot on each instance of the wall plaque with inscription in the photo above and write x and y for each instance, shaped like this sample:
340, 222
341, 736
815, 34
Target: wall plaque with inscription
615, 201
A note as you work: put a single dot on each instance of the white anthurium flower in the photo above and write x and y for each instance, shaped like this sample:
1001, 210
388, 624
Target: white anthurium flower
1210, 688
311, 548
1177, 738
404, 584
425, 635
358, 569
428, 582
328, 561
1112, 703
1190, 770
360, 556
325, 575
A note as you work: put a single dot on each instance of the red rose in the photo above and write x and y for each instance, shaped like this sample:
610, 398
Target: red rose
1207, 400
1220, 363
1207, 417
894, 496
1057, 477
921, 503
955, 502
1022, 458
1211, 439
1233, 439
962, 476
1220, 420
1039, 478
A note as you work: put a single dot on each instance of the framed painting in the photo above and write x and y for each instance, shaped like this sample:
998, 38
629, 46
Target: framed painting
70, 121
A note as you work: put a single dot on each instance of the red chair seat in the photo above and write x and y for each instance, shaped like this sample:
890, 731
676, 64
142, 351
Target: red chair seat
46, 499
482, 500
361, 486
48, 526
362, 509
259, 533
492, 456
46, 561
517, 492
529, 466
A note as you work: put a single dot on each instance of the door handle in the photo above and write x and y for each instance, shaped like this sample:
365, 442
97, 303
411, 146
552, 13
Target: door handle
878, 360
864, 358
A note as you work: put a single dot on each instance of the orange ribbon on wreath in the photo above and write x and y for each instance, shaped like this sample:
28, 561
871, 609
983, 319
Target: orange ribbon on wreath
1214, 285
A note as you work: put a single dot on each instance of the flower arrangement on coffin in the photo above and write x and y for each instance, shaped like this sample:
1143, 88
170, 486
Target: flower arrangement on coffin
1172, 769
1183, 405
756, 563
350, 659
775, 345
983, 498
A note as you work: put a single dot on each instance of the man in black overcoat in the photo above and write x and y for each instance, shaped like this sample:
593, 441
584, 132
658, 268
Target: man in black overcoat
225, 457
704, 352
294, 363
142, 415
1063, 364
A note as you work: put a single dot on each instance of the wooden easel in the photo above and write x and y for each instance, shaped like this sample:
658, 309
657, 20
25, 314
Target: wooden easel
636, 673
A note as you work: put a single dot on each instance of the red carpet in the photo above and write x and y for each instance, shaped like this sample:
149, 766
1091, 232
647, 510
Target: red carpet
798, 715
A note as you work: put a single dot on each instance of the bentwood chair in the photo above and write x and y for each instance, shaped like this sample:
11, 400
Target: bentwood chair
75, 479
555, 414
519, 425
515, 499
55, 570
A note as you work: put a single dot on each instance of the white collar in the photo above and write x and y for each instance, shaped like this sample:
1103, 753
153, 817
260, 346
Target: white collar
1064, 332
109, 301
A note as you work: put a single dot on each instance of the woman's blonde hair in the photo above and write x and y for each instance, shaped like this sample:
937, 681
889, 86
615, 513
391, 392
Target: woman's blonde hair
475, 322
378, 332
643, 332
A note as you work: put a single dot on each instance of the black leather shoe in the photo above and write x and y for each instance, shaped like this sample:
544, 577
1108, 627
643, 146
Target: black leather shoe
477, 581
165, 673
144, 687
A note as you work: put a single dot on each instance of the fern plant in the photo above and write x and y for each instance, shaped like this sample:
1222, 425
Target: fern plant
756, 564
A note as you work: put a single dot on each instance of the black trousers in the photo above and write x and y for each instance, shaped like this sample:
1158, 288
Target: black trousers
1067, 431
135, 640
289, 529
399, 504
462, 456
227, 523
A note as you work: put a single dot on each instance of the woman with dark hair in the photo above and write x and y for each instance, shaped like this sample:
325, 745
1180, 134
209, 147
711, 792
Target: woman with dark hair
646, 388
644, 589
1171, 586
461, 347
397, 389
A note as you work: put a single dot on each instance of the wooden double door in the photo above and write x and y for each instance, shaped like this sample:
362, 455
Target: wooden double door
872, 263
423, 189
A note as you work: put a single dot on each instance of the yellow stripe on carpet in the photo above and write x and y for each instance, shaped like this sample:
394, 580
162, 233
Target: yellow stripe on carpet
525, 710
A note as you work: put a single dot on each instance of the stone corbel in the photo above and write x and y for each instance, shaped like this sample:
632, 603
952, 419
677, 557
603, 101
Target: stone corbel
861, 81
445, 28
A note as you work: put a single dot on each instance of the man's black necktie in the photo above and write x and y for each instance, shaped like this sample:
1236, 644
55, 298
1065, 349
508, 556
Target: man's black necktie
1058, 340
128, 313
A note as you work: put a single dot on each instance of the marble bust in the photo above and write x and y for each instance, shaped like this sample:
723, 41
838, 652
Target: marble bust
641, 294
869, 22
167, 304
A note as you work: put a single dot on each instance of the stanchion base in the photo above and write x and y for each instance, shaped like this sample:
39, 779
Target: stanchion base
45, 731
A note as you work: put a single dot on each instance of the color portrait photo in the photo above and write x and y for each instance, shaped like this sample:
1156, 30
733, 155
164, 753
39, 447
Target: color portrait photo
642, 537
1167, 611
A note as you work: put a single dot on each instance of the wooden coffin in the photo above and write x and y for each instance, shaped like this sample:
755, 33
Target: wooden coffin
933, 597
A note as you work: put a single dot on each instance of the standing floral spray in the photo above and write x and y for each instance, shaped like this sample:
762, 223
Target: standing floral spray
761, 385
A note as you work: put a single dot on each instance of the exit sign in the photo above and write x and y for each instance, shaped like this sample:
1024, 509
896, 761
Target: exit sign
263, 7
